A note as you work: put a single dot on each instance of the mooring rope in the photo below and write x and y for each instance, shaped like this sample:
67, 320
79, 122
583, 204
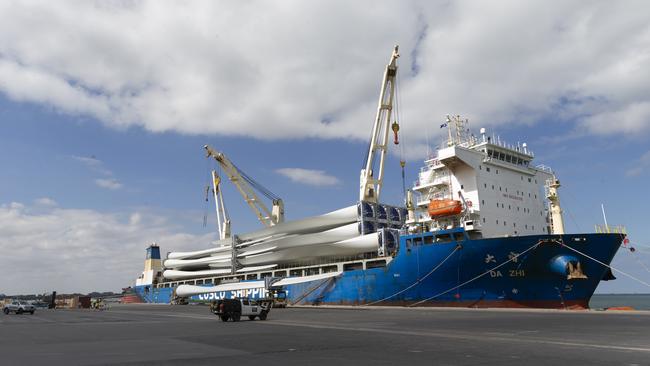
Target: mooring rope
418, 281
513, 258
607, 265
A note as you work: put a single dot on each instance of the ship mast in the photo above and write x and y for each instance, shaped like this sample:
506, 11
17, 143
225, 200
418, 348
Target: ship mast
370, 183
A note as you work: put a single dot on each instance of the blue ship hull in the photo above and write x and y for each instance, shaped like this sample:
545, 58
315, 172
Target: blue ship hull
523, 271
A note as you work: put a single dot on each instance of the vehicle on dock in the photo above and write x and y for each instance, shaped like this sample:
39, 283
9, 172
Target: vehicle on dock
234, 309
19, 307
482, 226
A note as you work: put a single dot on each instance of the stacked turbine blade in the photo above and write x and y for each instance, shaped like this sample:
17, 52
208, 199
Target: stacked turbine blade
333, 235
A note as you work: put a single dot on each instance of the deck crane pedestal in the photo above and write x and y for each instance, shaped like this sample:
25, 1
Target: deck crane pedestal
371, 181
247, 187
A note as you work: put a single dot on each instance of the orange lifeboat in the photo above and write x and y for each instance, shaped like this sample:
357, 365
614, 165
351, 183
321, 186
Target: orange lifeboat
447, 207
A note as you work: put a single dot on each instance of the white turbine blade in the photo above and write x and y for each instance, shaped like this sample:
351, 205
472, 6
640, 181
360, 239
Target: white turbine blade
294, 280
190, 290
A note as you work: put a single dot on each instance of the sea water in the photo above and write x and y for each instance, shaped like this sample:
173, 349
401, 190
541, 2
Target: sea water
636, 301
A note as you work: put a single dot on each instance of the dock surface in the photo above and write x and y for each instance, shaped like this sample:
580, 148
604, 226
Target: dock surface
172, 335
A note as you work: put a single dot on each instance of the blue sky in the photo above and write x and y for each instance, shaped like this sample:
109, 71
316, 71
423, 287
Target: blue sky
101, 140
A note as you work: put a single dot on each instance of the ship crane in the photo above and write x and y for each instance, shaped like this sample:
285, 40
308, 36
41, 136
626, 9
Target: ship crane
370, 180
247, 187
223, 220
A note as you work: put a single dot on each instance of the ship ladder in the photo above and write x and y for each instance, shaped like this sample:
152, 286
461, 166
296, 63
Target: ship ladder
308, 292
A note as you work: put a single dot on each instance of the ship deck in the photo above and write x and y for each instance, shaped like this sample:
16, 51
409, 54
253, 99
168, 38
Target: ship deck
163, 334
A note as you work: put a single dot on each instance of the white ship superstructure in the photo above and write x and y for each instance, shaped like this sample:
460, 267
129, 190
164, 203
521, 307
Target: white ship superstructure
497, 190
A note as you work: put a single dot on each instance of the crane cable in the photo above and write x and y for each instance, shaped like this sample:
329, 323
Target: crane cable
398, 117
608, 266
207, 193
514, 258
419, 280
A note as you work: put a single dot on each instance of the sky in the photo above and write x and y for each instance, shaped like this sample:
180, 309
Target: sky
105, 107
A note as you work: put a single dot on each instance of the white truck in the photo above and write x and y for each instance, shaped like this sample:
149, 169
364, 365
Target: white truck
234, 309
19, 307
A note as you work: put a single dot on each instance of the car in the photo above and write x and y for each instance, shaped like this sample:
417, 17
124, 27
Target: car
19, 307
234, 309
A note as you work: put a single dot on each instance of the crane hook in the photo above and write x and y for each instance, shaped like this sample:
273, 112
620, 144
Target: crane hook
395, 127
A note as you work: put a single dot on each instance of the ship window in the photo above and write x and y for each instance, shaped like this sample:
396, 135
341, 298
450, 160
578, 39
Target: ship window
482, 202
295, 273
462, 187
517, 208
508, 158
526, 226
535, 196
376, 264
535, 181
480, 167
509, 207
528, 180
484, 185
311, 271
484, 220
428, 240
352, 266
504, 223
329, 269
493, 186
522, 177
497, 204
487, 168
497, 171
502, 206
529, 194
280, 273
499, 189
514, 224
506, 189
208, 281
417, 241
533, 227
444, 238
199, 282
251, 276
497, 222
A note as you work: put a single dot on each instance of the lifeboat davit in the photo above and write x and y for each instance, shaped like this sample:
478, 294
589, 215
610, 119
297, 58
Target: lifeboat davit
441, 208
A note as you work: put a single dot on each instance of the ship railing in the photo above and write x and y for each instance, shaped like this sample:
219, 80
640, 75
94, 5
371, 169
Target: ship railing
611, 229
435, 179
545, 168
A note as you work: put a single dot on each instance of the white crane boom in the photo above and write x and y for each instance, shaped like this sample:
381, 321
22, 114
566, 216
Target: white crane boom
370, 184
223, 220
246, 187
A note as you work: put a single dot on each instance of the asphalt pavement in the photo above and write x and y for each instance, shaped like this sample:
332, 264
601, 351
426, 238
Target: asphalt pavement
174, 335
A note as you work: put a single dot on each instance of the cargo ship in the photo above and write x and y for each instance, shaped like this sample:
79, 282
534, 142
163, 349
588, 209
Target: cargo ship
481, 227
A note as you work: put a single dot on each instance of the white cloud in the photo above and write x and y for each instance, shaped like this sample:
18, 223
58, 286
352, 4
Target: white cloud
309, 176
89, 161
311, 69
81, 250
45, 201
640, 165
110, 183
